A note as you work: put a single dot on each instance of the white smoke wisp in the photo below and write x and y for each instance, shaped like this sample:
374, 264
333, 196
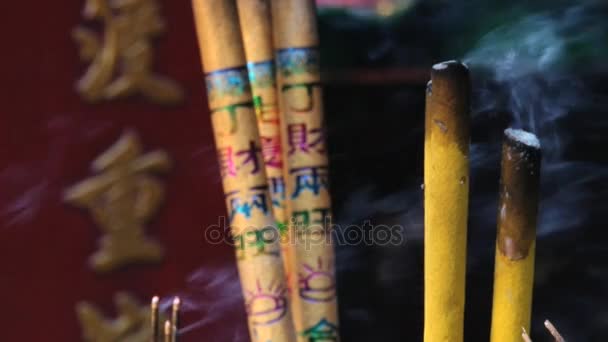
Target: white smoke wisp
220, 287
522, 68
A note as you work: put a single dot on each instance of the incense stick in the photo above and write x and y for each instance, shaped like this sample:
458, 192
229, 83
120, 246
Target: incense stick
306, 167
175, 318
154, 319
525, 336
558, 337
446, 196
515, 243
256, 29
241, 166
168, 331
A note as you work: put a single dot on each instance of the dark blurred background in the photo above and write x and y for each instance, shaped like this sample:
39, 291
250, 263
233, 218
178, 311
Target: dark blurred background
537, 65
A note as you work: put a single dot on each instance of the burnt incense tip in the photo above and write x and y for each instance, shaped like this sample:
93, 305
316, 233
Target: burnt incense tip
454, 69
176, 302
521, 137
519, 193
448, 64
155, 300
522, 149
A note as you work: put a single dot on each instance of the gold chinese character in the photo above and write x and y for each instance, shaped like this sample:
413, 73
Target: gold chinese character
121, 197
131, 325
121, 61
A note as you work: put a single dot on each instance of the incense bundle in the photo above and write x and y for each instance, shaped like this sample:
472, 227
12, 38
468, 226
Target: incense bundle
306, 167
446, 193
256, 30
515, 243
170, 327
243, 177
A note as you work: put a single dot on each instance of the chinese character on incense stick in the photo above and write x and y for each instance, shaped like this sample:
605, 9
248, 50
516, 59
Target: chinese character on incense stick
306, 167
243, 176
256, 29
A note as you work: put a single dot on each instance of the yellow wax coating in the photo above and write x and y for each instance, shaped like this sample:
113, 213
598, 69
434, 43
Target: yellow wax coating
516, 236
235, 130
446, 193
512, 304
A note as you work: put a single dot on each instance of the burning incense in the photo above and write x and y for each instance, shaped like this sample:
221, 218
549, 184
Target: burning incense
256, 30
241, 165
175, 318
170, 327
306, 167
167, 331
154, 319
515, 243
446, 193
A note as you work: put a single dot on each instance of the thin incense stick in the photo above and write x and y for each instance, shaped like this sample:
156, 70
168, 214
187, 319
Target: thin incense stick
446, 197
558, 337
243, 177
525, 336
515, 243
175, 318
306, 167
154, 319
167, 331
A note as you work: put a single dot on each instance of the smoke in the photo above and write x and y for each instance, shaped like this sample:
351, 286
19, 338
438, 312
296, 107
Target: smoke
526, 68
532, 68
212, 297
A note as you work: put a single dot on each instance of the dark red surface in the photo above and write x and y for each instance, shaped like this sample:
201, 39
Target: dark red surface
49, 137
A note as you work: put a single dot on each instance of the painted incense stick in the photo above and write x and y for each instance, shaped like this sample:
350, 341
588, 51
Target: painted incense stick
446, 194
242, 170
515, 243
256, 27
306, 168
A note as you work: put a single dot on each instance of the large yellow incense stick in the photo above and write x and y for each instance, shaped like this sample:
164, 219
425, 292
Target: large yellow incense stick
256, 30
515, 243
242, 169
306, 169
446, 193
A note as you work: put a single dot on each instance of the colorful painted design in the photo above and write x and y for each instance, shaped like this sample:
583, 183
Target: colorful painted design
302, 139
257, 242
294, 103
268, 305
277, 191
317, 216
295, 61
324, 331
266, 112
271, 150
227, 83
317, 282
256, 199
262, 74
232, 161
232, 112
313, 179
